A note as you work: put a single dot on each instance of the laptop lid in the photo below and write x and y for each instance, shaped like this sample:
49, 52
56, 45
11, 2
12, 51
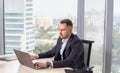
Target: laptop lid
24, 58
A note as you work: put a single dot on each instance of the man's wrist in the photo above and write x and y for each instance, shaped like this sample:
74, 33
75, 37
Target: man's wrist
48, 64
37, 56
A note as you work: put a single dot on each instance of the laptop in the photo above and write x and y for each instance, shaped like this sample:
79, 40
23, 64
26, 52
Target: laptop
24, 59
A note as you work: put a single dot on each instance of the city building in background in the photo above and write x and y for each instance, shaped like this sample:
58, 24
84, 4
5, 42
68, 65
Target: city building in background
19, 25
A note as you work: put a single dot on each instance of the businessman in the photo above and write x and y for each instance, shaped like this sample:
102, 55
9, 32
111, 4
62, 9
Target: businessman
68, 51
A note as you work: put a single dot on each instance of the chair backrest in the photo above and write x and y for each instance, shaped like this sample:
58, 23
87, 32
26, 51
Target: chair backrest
87, 51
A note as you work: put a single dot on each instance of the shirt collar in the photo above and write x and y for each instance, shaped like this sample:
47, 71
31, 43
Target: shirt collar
65, 40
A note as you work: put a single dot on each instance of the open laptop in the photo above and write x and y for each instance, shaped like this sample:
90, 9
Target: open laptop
24, 59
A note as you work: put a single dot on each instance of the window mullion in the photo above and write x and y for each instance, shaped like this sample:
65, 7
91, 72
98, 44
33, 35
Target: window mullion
108, 36
1, 27
80, 17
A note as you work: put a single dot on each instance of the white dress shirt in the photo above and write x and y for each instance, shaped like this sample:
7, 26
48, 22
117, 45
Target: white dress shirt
64, 42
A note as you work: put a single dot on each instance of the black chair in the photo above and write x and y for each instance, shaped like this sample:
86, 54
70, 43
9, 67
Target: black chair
87, 52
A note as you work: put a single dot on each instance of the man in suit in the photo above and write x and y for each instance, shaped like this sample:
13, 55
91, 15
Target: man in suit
68, 51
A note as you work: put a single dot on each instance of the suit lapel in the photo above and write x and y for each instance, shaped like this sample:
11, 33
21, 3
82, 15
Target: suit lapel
58, 56
68, 45
66, 48
69, 42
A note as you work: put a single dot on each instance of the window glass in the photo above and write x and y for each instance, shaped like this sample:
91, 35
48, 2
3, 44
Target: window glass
47, 16
14, 26
35, 22
116, 38
17, 21
94, 30
13, 38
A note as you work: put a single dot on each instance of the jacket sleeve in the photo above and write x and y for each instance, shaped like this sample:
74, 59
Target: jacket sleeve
49, 53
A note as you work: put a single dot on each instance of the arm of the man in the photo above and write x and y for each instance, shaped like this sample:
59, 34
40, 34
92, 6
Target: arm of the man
47, 54
51, 52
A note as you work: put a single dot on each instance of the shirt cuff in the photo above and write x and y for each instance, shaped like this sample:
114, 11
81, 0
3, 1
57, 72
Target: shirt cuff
50, 64
37, 56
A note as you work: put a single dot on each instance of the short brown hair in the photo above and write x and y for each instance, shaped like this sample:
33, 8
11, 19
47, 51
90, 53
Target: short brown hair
67, 21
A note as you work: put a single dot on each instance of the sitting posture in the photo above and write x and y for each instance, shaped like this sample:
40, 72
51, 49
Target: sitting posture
68, 51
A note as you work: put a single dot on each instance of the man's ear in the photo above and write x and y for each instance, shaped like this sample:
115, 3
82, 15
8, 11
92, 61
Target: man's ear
71, 30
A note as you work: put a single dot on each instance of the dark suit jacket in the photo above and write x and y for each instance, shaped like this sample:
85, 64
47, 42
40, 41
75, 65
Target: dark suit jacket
73, 55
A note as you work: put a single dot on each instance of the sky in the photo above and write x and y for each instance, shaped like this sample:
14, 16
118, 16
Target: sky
116, 7
54, 8
58, 8
99, 5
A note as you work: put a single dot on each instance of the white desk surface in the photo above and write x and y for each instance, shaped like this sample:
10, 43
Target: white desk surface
15, 67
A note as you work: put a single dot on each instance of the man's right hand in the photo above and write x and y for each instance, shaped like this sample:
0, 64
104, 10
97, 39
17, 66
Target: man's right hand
33, 57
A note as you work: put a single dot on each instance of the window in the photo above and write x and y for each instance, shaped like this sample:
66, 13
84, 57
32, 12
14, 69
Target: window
14, 20
12, 38
34, 23
14, 14
94, 30
18, 21
47, 15
116, 39
14, 25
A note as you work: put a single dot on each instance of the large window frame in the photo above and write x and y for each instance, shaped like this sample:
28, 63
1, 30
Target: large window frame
80, 31
80, 19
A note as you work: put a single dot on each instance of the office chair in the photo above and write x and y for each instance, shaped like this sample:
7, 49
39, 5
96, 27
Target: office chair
87, 44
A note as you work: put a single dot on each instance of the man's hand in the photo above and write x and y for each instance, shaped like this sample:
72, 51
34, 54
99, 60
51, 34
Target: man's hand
33, 57
41, 65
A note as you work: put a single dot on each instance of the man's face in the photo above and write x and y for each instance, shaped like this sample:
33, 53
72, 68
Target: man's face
64, 30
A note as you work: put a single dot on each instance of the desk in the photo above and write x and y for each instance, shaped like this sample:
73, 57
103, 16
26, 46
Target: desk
15, 67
